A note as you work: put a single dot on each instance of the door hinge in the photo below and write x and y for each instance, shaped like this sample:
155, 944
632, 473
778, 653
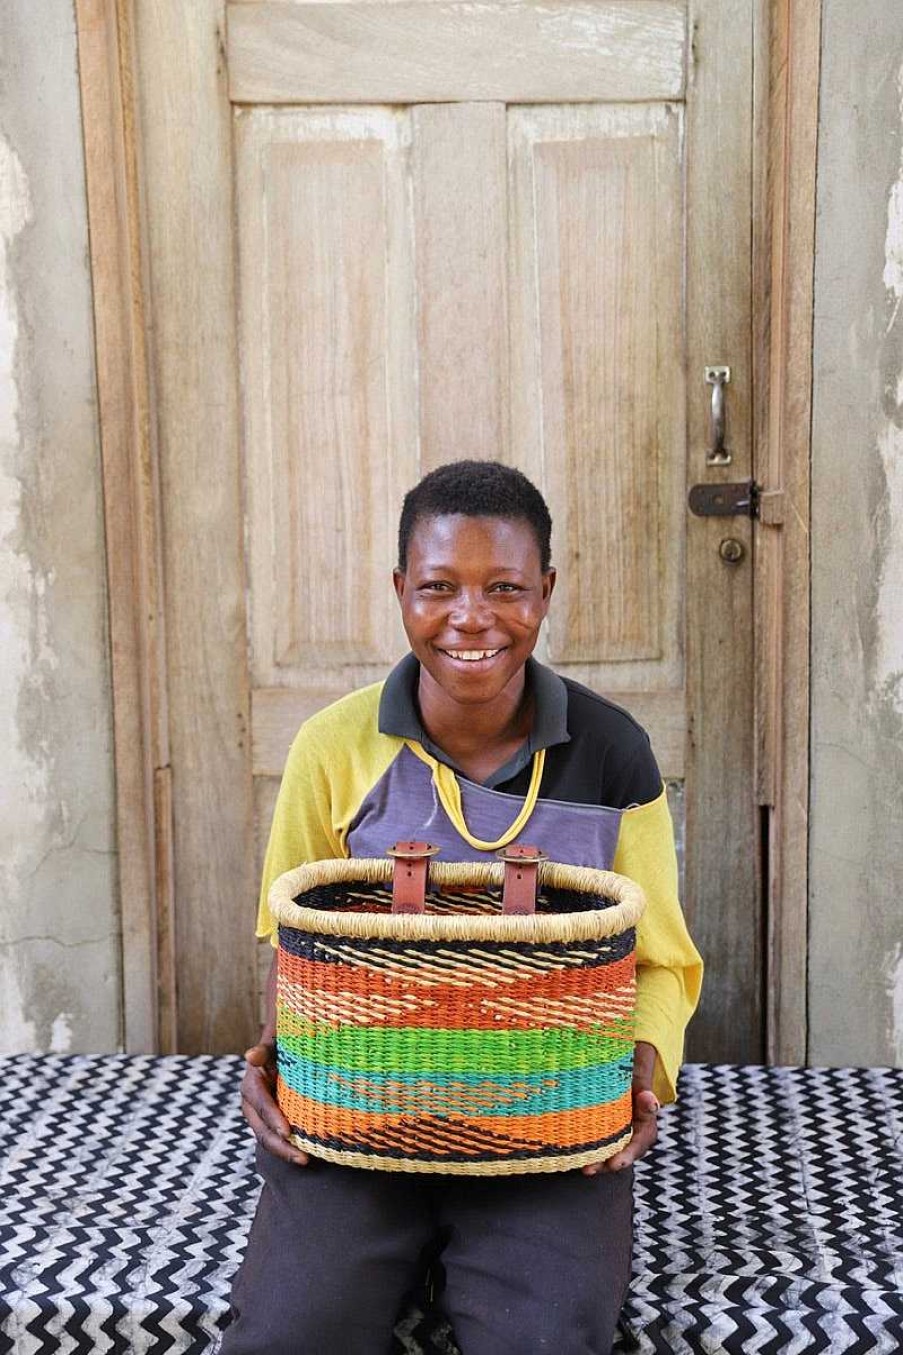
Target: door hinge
743, 498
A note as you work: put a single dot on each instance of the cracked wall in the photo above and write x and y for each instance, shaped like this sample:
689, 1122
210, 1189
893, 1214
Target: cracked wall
59, 942
856, 844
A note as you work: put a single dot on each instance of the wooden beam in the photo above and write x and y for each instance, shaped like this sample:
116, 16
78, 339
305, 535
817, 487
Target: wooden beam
131, 517
722, 898
186, 155
786, 254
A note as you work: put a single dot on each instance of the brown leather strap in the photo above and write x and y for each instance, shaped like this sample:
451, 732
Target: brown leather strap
521, 878
409, 877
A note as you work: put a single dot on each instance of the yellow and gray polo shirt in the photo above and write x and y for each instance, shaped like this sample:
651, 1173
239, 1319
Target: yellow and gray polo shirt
585, 787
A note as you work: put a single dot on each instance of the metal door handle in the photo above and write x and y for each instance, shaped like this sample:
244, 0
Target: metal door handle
718, 378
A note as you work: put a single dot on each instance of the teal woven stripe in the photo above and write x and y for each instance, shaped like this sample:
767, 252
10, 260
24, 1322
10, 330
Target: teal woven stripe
472, 1094
416, 1050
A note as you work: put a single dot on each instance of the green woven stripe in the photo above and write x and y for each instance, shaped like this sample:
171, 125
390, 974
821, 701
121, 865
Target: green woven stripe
414, 1050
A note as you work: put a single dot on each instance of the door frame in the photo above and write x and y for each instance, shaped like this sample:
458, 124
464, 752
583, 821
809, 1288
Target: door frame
147, 626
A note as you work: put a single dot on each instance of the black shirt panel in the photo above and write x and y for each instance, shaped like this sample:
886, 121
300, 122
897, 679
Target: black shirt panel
608, 760
596, 752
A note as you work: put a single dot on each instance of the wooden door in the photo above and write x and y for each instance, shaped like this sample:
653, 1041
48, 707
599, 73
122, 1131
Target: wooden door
383, 235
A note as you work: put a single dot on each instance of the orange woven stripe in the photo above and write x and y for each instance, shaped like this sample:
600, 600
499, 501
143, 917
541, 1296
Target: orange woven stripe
565, 1129
452, 1009
364, 997
482, 967
360, 979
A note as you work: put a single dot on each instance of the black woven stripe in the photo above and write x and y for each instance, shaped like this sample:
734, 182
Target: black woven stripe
363, 1146
377, 898
324, 950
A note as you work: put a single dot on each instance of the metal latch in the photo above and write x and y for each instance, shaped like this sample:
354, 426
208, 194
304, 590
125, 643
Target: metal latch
743, 498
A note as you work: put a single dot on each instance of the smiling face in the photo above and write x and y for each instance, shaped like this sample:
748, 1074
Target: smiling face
473, 596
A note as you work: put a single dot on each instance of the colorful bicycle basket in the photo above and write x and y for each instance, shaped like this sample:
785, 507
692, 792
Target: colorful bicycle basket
483, 1026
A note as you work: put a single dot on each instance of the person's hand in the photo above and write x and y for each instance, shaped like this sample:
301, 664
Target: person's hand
259, 1106
646, 1107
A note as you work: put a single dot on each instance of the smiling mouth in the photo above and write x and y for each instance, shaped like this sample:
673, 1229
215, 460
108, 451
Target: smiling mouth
470, 655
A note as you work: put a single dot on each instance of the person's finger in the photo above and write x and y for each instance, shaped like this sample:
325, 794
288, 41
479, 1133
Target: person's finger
267, 1139
646, 1107
257, 1091
645, 1134
261, 1056
260, 1108
273, 1138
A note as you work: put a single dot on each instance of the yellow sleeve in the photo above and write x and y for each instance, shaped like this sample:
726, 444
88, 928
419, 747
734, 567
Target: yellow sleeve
335, 759
669, 967
302, 828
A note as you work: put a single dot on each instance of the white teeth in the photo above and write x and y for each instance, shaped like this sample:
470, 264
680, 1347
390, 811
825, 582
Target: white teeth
471, 655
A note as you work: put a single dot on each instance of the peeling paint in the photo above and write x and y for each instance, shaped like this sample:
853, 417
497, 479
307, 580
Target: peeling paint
61, 1034
18, 1034
57, 871
895, 993
889, 618
893, 250
22, 781
889, 608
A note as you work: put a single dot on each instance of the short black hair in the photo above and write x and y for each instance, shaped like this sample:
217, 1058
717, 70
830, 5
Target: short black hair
476, 489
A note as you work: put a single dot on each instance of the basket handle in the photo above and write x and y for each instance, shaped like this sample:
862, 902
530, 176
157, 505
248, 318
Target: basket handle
412, 863
521, 877
409, 876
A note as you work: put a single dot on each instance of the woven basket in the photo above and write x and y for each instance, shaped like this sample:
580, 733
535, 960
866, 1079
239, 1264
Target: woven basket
460, 1040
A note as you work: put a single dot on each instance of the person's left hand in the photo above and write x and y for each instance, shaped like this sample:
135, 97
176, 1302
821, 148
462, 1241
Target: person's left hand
646, 1107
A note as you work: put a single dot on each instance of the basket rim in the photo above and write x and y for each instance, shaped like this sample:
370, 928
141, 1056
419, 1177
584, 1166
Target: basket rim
586, 926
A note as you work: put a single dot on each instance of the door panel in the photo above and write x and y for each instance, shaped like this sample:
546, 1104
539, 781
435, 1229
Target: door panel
345, 404
434, 51
328, 380
598, 394
460, 210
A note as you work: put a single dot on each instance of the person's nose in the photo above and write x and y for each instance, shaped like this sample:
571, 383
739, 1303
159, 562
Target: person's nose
471, 612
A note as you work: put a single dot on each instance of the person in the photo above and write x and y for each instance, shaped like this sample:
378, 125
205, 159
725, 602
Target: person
466, 732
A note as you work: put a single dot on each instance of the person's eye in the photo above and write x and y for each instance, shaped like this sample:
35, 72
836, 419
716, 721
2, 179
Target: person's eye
435, 586
506, 588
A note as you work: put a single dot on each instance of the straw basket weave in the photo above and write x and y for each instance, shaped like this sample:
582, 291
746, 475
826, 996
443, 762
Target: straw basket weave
460, 1039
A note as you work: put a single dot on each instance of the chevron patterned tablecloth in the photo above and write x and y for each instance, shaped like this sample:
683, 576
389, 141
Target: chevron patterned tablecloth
769, 1219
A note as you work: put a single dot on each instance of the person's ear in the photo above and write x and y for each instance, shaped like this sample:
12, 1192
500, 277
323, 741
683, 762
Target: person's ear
399, 578
548, 585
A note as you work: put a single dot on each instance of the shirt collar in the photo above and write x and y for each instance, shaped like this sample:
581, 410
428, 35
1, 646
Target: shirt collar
399, 714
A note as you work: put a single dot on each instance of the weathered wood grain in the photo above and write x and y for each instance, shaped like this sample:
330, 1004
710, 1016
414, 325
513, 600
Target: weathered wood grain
329, 386
438, 51
786, 263
460, 192
723, 903
598, 414
130, 495
187, 178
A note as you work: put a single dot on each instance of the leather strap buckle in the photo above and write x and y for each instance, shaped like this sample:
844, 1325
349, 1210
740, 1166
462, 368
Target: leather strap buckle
409, 876
521, 878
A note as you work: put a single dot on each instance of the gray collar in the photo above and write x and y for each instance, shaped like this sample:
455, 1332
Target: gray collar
399, 714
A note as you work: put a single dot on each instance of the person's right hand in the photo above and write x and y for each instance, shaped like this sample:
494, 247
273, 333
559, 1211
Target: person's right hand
259, 1106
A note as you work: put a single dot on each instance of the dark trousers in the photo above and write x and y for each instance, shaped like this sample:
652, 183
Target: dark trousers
531, 1263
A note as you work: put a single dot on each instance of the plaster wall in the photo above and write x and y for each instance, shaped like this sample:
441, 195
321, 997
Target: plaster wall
856, 844
59, 942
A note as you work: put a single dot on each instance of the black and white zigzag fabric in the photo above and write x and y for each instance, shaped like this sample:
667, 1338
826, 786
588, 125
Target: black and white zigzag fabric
769, 1218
